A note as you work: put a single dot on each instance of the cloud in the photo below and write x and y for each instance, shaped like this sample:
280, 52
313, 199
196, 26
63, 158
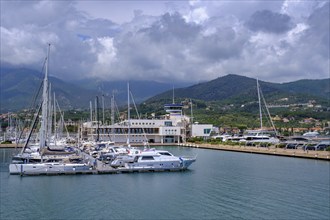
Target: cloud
268, 21
300, 10
189, 41
197, 15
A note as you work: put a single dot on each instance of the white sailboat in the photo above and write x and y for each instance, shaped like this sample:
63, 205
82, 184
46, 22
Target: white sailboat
41, 158
261, 135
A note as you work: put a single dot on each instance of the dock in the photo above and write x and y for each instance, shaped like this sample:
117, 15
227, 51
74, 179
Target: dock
271, 150
11, 145
100, 169
91, 166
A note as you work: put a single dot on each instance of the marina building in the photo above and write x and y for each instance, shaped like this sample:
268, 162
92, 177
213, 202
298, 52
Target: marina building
174, 127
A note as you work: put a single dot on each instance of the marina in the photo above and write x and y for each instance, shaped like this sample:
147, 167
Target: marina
106, 149
169, 110
220, 183
100, 167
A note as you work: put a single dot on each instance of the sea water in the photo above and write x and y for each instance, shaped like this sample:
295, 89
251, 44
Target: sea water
219, 185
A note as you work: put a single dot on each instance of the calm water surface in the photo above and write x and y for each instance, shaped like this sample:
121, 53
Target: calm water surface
220, 185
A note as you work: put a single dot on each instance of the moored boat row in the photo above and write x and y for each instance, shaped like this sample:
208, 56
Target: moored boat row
47, 158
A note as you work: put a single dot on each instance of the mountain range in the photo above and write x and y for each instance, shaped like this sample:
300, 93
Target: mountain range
235, 87
232, 92
19, 86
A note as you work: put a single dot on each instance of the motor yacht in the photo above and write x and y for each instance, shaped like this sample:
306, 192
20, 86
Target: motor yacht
153, 160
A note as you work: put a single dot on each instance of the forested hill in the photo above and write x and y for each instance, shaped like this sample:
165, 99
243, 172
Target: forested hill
19, 86
240, 88
231, 93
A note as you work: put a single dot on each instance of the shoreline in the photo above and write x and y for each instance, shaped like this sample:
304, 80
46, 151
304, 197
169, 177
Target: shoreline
272, 150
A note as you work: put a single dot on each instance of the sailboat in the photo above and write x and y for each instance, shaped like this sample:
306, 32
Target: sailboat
40, 158
261, 135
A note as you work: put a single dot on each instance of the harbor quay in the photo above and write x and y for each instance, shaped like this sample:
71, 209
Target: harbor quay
271, 150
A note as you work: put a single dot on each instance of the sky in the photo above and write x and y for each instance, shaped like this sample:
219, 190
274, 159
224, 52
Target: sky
168, 41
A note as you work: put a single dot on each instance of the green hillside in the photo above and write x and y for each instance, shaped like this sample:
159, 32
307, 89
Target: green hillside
319, 87
20, 86
232, 100
234, 89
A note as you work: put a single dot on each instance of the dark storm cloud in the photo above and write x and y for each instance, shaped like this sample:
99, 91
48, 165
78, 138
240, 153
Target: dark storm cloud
173, 47
222, 45
157, 50
172, 27
268, 21
319, 23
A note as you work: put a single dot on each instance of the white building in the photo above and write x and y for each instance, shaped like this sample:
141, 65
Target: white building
172, 128
201, 130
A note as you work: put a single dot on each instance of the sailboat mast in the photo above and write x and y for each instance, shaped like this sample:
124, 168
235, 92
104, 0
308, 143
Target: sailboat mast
91, 110
128, 115
191, 112
113, 115
97, 118
102, 109
55, 129
49, 129
44, 111
260, 113
173, 95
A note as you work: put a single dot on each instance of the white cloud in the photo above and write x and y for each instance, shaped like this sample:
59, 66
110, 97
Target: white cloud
106, 56
197, 15
22, 47
300, 9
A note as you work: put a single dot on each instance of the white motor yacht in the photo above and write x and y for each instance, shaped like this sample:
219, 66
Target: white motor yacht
153, 160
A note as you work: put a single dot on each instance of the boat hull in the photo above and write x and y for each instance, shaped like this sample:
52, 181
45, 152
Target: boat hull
46, 168
171, 165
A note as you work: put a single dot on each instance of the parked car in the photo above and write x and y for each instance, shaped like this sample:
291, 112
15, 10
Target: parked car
291, 146
323, 145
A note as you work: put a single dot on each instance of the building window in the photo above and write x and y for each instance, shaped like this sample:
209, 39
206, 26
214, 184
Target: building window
168, 123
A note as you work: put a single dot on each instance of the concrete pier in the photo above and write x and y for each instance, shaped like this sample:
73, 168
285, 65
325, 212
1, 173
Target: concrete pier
272, 150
